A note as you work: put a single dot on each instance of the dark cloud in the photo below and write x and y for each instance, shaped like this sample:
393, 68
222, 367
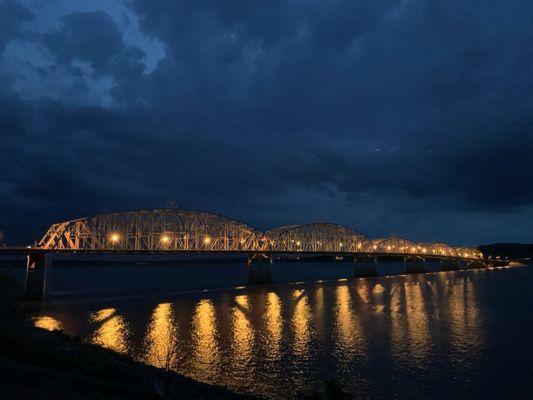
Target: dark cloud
396, 117
92, 37
12, 18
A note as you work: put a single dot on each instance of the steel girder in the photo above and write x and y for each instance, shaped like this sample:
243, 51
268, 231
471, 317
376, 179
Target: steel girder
394, 245
317, 238
154, 230
186, 230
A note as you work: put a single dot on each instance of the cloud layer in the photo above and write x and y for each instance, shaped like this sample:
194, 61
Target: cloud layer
401, 117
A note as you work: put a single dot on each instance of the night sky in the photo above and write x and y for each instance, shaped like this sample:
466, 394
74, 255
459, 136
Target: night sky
411, 118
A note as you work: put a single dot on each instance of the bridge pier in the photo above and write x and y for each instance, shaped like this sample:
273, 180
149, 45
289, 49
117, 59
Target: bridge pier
364, 266
259, 268
38, 285
415, 265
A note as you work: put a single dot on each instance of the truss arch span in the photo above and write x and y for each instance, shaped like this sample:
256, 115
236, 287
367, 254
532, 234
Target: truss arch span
469, 253
394, 245
154, 230
440, 249
316, 238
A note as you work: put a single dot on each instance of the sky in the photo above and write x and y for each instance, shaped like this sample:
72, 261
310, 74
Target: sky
410, 118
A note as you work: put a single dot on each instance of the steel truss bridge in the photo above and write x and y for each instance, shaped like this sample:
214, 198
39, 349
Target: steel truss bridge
175, 231
172, 230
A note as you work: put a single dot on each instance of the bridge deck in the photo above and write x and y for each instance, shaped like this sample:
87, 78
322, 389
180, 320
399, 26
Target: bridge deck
26, 251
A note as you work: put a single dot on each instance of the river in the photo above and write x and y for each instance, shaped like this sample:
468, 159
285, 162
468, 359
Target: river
461, 335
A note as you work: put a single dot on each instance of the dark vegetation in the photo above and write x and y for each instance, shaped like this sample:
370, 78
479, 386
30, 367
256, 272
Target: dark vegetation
510, 250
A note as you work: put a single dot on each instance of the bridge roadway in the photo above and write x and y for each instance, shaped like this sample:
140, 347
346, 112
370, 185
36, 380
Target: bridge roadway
172, 231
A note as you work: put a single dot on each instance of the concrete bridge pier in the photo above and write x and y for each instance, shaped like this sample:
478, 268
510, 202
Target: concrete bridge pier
364, 266
415, 265
39, 268
259, 268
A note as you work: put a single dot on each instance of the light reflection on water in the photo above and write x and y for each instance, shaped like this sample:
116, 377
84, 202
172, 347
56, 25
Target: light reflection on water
112, 331
48, 323
276, 341
161, 342
205, 355
300, 323
274, 327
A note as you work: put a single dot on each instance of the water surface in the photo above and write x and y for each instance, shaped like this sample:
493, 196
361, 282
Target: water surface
465, 334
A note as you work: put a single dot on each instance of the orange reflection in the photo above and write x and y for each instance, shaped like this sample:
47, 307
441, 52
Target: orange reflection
319, 311
464, 316
48, 323
206, 355
378, 292
397, 331
300, 323
417, 320
113, 331
274, 325
242, 331
161, 341
363, 291
349, 338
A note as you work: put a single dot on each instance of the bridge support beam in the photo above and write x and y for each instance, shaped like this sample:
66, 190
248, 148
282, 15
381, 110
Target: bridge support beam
38, 284
364, 266
259, 268
415, 265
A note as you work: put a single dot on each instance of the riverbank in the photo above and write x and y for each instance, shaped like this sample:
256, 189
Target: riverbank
40, 364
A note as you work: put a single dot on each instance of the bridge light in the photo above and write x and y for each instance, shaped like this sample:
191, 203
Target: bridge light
242, 241
114, 237
413, 249
207, 240
359, 245
165, 239
388, 247
298, 243
375, 247
340, 244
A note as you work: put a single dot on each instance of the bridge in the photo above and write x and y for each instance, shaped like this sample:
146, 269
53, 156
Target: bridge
172, 231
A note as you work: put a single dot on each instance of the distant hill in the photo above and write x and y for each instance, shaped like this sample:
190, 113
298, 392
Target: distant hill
511, 250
